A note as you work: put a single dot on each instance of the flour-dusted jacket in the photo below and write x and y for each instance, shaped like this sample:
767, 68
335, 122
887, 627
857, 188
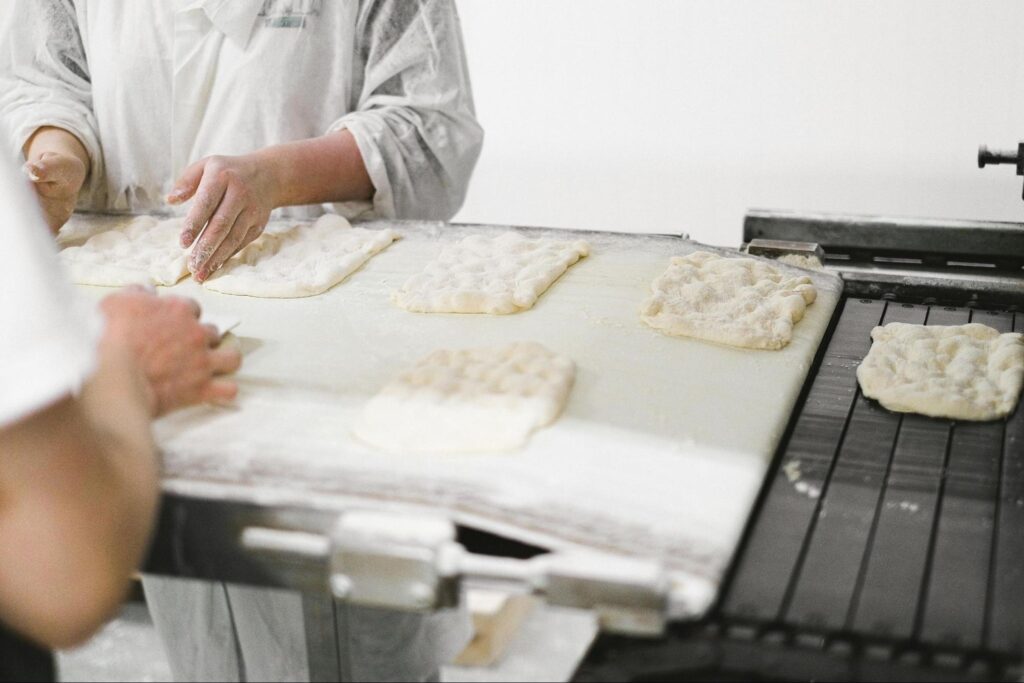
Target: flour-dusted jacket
151, 86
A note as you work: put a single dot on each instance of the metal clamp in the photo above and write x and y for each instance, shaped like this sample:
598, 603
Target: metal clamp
414, 564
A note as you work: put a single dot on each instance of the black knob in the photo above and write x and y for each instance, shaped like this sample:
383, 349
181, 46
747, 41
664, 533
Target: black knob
989, 156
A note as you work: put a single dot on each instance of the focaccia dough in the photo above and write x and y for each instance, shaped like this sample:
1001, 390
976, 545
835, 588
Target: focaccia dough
498, 275
304, 260
471, 400
143, 251
962, 372
741, 302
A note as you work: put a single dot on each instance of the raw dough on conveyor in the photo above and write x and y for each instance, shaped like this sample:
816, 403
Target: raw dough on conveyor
498, 275
741, 302
304, 260
962, 372
144, 251
470, 400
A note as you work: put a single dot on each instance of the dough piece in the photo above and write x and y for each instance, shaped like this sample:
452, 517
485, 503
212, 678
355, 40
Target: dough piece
504, 274
471, 400
802, 261
741, 302
963, 372
144, 251
304, 260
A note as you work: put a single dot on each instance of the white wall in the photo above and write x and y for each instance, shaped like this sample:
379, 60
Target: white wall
669, 115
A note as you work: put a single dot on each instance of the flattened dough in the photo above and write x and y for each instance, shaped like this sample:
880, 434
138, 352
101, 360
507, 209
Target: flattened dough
304, 260
498, 275
741, 302
471, 400
144, 251
962, 372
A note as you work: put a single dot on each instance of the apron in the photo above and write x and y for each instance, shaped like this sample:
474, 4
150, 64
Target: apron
20, 661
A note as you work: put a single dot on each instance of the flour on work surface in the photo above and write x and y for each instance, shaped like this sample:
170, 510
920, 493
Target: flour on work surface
741, 302
504, 274
471, 400
304, 260
143, 251
962, 372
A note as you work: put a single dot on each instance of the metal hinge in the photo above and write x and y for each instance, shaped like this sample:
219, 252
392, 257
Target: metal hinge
411, 563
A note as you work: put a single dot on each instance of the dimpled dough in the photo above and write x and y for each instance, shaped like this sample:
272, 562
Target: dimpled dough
145, 251
741, 302
305, 260
498, 275
471, 400
964, 372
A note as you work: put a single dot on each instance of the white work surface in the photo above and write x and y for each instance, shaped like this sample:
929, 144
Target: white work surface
659, 454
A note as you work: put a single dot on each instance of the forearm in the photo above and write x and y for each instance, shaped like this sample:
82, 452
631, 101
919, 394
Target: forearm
118, 404
77, 493
56, 141
327, 169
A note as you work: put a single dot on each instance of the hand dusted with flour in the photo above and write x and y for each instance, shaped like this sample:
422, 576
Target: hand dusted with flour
962, 372
497, 275
740, 302
472, 400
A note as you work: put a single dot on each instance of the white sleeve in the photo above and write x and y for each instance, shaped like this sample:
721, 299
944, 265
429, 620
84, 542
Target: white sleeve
47, 336
44, 76
414, 122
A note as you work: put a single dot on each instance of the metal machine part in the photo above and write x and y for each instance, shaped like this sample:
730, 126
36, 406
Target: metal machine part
777, 248
410, 563
988, 156
885, 546
966, 262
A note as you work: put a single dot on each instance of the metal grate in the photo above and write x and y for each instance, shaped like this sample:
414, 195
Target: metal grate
888, 527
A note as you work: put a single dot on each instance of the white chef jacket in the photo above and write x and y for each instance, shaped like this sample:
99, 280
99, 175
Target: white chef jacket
47, 337
151, 86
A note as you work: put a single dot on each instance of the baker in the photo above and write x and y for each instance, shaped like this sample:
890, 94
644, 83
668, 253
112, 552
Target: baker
239, 109
78, 467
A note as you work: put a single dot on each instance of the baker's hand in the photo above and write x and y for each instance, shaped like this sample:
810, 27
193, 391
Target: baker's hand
58, 164
233, 201
177, 354
57, 179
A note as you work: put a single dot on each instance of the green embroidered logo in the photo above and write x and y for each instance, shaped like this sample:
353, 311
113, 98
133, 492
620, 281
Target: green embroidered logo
289, 13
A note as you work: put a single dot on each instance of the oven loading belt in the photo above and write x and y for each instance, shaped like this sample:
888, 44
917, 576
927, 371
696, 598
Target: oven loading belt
897, 527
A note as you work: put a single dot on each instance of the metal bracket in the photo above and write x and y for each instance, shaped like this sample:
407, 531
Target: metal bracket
397, 562
409, 563
776, 248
